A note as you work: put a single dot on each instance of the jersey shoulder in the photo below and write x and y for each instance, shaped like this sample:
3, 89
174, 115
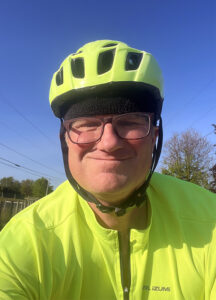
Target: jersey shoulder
51, 210
187, 199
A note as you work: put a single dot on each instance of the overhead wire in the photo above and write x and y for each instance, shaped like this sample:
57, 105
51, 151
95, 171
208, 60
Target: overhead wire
191, 100
5, 164
28, 172
27, 119
203, 115
209, 133
18, 133
35, 127
28, 169
25, 156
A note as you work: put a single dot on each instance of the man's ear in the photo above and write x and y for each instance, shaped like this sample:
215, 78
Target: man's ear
66, 138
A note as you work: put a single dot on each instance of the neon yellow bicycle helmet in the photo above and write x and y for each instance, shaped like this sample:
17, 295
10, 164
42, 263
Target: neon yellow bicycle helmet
104, 66
108, 77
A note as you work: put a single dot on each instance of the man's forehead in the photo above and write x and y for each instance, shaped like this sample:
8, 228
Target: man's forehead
99, 106
104, 117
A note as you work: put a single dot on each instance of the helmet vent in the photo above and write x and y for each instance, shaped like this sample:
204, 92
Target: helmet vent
59, 77
73, 54
105, 61
110, 45
133, 61
77, 67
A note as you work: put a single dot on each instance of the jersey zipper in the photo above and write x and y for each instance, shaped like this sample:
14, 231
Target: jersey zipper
126, 289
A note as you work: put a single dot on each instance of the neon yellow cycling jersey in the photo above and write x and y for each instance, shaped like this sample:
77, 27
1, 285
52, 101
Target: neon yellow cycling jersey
56, 250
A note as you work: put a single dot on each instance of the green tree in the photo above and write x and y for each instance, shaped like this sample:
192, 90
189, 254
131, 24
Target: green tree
187, 156
41, 187
213, 182
27, 187
10, 187
213, 170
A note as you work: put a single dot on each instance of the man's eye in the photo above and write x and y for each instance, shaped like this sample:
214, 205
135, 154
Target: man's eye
127, 123
91, 125
83, 125
130, 123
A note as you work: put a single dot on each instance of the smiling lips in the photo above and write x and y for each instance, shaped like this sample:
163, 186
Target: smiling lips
114, 156
110, 158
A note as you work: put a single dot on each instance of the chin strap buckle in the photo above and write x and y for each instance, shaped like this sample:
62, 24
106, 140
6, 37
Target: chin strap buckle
120, 211
104, 209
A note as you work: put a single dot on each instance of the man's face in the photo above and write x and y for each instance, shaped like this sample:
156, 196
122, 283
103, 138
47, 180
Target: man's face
111, 168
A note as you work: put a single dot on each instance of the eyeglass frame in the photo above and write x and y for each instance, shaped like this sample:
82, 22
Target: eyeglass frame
106, 120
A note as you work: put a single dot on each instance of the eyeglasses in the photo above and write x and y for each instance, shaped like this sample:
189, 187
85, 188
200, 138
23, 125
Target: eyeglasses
130, 126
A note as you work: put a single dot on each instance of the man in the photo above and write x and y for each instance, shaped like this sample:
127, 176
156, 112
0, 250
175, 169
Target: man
114, 230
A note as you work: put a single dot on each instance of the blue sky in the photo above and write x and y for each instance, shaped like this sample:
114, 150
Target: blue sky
35, 36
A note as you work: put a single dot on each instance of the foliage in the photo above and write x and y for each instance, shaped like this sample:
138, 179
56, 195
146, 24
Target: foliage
41, 187
213, 170
27, 187
213, 182
11, 188
187, 156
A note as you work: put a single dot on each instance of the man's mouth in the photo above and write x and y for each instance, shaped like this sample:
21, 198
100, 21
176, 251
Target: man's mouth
109, 158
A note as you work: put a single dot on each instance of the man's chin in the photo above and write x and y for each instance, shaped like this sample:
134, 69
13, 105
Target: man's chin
111, 194
109, 182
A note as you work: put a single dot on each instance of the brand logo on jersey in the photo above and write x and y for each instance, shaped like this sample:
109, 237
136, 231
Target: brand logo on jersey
156, 288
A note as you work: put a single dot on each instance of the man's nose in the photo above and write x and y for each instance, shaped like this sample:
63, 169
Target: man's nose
110, 141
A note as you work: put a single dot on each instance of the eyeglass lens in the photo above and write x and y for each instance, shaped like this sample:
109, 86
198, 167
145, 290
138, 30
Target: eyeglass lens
127, 126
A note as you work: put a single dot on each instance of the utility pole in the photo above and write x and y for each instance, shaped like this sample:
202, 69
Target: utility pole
47, 187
